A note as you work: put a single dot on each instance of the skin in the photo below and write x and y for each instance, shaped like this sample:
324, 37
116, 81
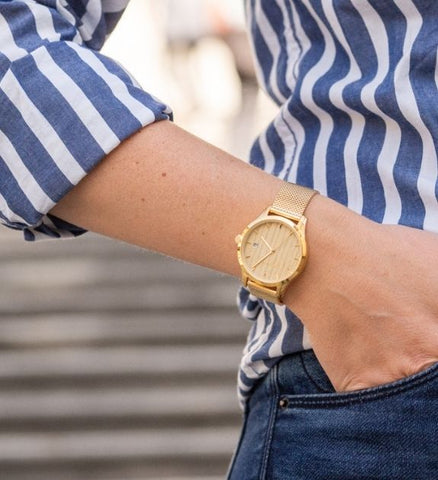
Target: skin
368, 295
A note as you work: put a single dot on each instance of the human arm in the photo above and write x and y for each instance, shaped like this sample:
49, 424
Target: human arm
65, 107
166, 190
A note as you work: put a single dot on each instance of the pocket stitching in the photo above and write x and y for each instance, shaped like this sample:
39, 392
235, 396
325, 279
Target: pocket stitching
370, 394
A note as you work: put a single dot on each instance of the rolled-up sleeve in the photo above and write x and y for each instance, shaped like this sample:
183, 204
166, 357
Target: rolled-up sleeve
63, 108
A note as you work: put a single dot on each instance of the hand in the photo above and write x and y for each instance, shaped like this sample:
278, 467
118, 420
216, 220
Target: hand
369, 298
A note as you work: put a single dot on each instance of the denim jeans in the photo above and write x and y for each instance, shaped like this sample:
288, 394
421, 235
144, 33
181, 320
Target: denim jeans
298, 428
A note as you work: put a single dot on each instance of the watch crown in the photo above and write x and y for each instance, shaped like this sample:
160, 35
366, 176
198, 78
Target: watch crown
238, 239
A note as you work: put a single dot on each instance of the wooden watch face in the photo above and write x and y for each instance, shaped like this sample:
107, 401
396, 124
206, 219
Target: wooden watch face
271, 250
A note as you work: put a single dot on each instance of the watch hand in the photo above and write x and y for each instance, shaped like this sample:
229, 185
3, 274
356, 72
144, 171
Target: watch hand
263, 258
266, 243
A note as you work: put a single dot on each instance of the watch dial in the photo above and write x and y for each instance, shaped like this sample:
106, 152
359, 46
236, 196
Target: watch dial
271, 251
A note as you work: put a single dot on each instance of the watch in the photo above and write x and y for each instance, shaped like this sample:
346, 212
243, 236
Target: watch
272, 249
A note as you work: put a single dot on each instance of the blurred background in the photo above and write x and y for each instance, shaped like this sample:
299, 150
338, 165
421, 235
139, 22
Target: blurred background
108, 354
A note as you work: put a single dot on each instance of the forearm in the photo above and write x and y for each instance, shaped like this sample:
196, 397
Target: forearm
166, 190
362, 292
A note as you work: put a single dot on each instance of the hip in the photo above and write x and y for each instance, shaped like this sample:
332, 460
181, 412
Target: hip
297, 427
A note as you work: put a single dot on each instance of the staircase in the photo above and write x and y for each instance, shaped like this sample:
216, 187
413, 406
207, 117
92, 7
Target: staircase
115, 363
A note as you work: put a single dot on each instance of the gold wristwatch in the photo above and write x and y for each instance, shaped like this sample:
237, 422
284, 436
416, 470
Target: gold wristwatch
272, 249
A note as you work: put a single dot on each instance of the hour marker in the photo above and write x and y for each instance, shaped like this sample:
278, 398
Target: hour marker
255, 244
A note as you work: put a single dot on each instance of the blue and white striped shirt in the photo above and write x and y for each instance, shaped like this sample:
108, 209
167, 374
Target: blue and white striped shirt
63, 106
355, 83
354, 80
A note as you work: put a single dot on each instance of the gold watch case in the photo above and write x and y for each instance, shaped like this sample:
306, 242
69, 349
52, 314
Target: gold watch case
271, 251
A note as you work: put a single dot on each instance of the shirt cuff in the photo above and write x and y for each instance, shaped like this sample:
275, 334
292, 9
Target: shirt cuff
63, 108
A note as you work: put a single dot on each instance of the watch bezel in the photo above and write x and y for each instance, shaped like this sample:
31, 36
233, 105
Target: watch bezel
299, 230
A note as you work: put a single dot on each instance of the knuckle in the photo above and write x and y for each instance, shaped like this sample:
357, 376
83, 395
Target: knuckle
420, 363
351, 383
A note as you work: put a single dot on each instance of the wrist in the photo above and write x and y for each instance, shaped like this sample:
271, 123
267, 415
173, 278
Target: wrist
333, 235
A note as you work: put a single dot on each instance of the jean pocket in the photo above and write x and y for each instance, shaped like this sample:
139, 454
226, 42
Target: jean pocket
327, 393
384, 432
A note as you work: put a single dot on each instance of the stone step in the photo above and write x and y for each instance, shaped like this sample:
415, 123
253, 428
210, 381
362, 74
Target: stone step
128, 473
193, 444
190, 468
114, 363
74, 329
117, 298
175, 478
116, 403
41, 272
137, 280
81, 362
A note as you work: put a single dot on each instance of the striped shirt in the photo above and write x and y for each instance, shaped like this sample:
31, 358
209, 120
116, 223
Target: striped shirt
355, 85
63, 105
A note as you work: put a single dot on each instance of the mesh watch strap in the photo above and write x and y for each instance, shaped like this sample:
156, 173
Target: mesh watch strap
271, 294
291, 200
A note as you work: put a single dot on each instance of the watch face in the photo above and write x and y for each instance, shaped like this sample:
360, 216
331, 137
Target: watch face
271, 250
